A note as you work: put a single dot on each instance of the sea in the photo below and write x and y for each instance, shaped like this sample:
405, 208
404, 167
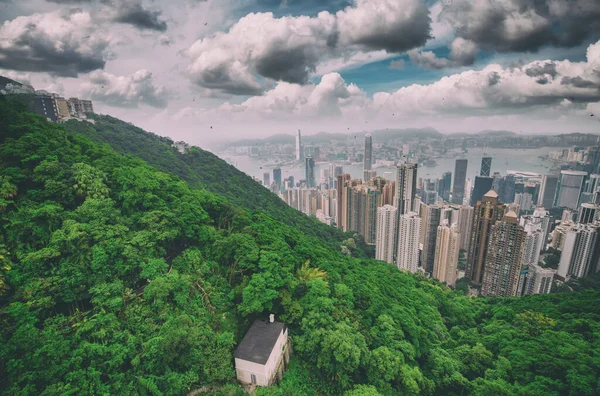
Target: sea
503, 160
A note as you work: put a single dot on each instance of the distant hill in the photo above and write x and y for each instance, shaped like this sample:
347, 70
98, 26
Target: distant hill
203, 169
382, 135
489, 132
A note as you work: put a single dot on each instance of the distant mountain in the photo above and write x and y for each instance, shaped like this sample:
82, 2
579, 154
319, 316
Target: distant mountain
489, 132
382, 135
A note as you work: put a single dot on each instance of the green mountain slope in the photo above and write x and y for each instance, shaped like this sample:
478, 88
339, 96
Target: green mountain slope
205, 170
116, 278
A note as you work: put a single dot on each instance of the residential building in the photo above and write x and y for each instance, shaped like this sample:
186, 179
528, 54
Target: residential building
538, 281
485, 214
588, 213
580, 251
46, 106
465, 223
386, 228
504, 258
408, 230
525, 201
431, 221
447, 247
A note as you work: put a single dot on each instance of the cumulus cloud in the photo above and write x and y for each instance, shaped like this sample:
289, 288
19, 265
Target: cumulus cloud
397, 64
523, 25
132, 12
462, 53
125, 91
494, 90
61, 43
289, 49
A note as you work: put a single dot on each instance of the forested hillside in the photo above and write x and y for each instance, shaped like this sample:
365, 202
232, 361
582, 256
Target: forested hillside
204, 169
117, 278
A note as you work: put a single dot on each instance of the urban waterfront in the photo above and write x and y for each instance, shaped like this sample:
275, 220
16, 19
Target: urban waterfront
503, 160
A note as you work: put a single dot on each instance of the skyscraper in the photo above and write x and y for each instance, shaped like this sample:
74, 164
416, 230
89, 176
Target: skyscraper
445, 186
486, 166
310, 172
447, 246
341, 199
524, 200
570, 186
386, 227
482, 185
407, 253
588, 213
406, 188
368, 156
267, 178
465, 222
277, 176
504, 258
460, 176
579, 256
539, 280
431, 221
485, 214
547, 194
299, 147
534, 243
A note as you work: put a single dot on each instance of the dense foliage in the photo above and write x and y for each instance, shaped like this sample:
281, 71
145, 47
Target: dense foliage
117, 278
205, 170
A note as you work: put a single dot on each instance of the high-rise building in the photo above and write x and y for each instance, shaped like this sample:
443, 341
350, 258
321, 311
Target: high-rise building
486, 166
407, 253
447, 247
341, 200
460, 176
579, 255
445, 186
387, 194
507, 191
570, 186
299, 147
406, 188
482, 185
540, 216
504, 258
267, 179
524, 200
534, 243
465, 222
277, 176
547, 194
386, 229
368, 155
485, 214
538, 281
590, 187
588, 213
431, 221
45, 105
310, 172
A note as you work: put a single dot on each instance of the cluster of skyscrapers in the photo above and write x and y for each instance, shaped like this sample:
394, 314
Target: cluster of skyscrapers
496, 224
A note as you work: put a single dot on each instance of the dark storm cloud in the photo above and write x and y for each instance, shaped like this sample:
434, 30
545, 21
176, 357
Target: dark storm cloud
61, 44
292, 65
542, 80
493, 78
225, 80
133, 13
579, 82
524, 25
548, 68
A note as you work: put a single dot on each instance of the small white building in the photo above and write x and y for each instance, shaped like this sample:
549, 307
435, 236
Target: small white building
263, 354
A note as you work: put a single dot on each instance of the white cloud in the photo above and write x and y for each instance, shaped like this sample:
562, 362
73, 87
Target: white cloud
125, 91
291, 49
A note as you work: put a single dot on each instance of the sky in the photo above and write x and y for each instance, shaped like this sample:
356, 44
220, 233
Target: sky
206, 71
